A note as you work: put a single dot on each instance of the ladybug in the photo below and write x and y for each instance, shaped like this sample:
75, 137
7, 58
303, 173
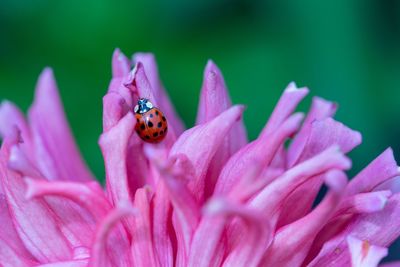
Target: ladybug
151, 124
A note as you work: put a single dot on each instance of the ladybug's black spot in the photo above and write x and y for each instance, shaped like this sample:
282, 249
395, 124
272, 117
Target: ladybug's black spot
159, 124
147, 137
165, 130
142, 126
151, 115
156, 112
137, 120
161, 132
163, 118
155, 134
150, 124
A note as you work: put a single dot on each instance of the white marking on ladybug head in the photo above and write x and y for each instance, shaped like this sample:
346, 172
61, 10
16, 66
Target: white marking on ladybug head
149, 105
136, 108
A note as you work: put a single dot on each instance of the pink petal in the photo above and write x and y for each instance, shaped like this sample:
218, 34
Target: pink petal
302, 232
206, 244
363, 254
89, 196
200, 143
143, 251
73, 263
35, 223
186, 212
390, 264
139, 84
320, 109
111, 246
379, 228
11, 257
271, 197
120, 64
10, 117
259, 152
161, 231
288, 102
164, 102
364, 203
51, 134
214, 99
114, 108
383, 168
322, 135
113, 145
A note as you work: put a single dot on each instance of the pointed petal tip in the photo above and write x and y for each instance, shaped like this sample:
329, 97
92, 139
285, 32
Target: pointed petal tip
120, 63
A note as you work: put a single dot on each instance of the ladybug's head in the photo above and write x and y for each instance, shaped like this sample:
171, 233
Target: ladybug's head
143, 105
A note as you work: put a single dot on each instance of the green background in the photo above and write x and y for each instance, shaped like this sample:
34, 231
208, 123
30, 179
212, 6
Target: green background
346, 51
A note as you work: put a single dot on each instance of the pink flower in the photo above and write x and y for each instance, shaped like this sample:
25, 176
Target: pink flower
203, 197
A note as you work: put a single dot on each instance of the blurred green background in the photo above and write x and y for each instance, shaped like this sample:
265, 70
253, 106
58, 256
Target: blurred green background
346, 51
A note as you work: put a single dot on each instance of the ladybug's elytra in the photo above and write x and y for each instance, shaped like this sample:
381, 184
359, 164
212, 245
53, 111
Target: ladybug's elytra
151, 124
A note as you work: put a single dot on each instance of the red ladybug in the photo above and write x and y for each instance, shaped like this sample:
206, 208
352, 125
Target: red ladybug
151, 124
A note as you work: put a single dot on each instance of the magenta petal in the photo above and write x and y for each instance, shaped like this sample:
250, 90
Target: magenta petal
320, 109
143, 251
383, 168
164, 102
114, 148
200, 143
310, 225
214, 99
120, 64
288, 102
51, 134
35, 223
73, 263
364, 254
259, 152
111, 246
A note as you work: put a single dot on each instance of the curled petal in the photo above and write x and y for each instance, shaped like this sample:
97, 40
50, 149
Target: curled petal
88, 196
35, 224
270, 197
111, 247
310, 225
363, 254
379, 228
260, 152
320, 109
113, 145
200, 143
206, 246
57, 155
383, 168
288, 102
364, 203
11, 257
322, 135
